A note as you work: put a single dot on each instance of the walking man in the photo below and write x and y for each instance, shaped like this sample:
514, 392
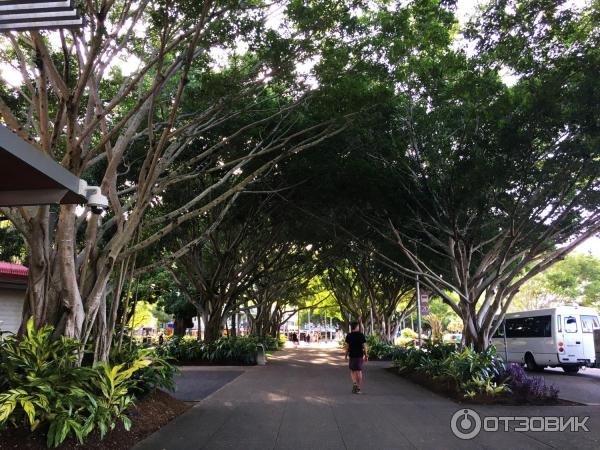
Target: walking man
356, 349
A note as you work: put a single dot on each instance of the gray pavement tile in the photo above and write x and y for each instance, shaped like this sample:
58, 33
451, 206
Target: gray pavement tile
304, 444
195, 385
301, 400
190, 430
583, 387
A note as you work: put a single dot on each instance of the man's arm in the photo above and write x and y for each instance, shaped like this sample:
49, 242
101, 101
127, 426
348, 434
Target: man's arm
365, 352
347, 349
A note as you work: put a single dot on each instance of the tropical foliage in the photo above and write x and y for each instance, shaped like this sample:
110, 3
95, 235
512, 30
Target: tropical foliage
473, 374
379, 349
42, 387
232, 350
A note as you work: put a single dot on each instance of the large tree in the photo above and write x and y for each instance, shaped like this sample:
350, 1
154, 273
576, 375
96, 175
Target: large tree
501, 181
127, 132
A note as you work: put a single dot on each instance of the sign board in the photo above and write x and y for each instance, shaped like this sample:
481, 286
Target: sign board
18, 15
424, 303
170, 325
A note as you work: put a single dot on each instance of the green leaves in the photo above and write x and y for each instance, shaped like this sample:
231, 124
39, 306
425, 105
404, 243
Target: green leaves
473, 373
8, 402
381, 350
576, 279
44, 386
241, 349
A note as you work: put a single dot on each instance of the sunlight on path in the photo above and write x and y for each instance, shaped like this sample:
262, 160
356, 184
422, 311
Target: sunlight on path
302, 400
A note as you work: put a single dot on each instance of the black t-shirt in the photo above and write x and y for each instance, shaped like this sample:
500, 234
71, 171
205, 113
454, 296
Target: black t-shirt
355, 341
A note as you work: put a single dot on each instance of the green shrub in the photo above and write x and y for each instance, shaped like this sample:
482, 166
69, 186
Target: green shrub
233, 349
471, 372
409, 333
381, 350
240, 350
271, 343
407, 338
43, 387
160, 373
183, 349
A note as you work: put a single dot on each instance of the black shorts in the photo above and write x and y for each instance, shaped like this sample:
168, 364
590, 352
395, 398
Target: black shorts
356, 363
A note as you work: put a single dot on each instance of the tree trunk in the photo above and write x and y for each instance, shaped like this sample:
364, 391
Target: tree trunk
213, 329
233, 331
473, 335
180, 326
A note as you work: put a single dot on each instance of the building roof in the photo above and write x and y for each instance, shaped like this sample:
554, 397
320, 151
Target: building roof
28, 177
13, 271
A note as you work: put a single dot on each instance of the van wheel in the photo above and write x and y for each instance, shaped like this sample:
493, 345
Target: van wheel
571, 370
530, 363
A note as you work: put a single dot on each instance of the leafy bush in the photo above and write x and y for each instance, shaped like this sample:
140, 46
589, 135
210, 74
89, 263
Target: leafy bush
241, 350
160, 373
409, 333
407, 338
237, 350
472, 373
529, 388
183, 349
272, 344
43, 387
381, 350
233, 349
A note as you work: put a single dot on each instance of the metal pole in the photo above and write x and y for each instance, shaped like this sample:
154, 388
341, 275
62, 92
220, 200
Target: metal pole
419, 310
371, 316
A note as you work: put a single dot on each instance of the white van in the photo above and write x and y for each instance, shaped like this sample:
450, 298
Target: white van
555, 337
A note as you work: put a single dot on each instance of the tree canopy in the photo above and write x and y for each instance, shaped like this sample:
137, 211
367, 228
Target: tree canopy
257, 155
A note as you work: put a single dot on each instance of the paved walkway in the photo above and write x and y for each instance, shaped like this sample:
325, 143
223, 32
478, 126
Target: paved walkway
302, 400
195, 383
583, 387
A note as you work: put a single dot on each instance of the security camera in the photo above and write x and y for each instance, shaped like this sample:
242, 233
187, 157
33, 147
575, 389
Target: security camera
95, 200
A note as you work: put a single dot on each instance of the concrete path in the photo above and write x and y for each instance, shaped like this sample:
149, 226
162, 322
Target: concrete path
301, 400
195, 383
583, 387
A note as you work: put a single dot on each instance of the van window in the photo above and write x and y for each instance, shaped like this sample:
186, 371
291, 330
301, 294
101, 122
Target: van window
570, 324
589, 324
559, 323
527, 327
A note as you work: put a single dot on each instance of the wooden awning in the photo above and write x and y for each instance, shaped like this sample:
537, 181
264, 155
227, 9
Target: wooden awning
28, 177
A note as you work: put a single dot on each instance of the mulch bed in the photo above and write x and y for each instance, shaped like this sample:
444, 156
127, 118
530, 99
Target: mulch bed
149, 414
447, 388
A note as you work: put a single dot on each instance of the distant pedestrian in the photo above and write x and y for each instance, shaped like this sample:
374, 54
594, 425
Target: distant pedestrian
161, 339
295, 339
356, 349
